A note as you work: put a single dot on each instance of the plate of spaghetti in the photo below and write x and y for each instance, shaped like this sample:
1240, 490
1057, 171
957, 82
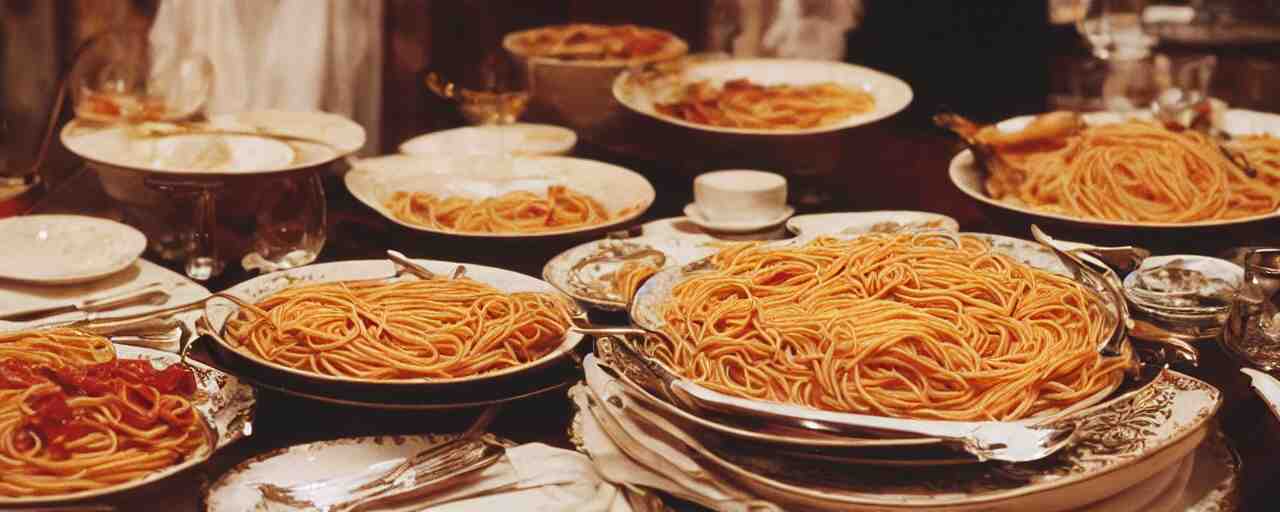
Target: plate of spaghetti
353, 325
494, 196
81, 417
607, 273
914, 326
762, 96
1109, 170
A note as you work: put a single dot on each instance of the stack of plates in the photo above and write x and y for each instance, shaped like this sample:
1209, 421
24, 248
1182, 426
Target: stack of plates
1159, 451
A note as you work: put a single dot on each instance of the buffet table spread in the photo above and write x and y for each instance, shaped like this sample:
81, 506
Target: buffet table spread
908, 164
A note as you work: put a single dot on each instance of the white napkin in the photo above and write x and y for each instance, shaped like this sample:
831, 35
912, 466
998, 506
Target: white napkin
302, 55
533, 477
1267, 387
536, 477
628, 453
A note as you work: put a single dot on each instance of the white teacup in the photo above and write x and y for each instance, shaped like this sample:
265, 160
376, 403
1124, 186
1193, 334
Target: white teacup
740, 196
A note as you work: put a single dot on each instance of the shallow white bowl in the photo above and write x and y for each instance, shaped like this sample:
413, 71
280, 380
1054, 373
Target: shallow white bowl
640, 92
514, 139
373, 181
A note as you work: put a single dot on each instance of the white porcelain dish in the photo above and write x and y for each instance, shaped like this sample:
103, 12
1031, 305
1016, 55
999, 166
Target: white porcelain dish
967, 176
623, 192
66, 249
640, 91
514, 139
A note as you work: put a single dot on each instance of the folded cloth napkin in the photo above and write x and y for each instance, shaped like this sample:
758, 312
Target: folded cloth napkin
631, 454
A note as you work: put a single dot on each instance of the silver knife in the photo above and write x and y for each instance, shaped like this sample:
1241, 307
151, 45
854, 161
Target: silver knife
153, 293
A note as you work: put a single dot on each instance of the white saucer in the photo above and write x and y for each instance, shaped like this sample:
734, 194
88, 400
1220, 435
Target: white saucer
516, 139
695, 215
64, 249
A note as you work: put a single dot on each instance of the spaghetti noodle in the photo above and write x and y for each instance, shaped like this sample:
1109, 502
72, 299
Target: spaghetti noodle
629, 276
1141, 172
906, 325
74, 418
423, 329
514, 212
743, 104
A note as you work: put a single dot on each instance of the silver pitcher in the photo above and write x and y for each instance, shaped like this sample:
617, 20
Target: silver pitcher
1253, 326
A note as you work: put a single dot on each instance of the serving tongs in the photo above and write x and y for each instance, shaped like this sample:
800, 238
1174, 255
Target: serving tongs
1096, 267
1087, 270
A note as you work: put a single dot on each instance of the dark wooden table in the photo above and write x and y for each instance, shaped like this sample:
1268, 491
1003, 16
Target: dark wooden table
899, 163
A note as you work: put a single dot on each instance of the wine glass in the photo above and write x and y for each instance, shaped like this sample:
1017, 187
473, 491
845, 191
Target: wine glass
1115, 30
119, 76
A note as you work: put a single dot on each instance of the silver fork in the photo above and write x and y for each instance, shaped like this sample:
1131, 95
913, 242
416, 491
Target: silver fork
424, 473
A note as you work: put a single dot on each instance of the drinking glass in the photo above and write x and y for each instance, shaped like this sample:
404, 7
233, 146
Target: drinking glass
1115, 29
290, 224
120, 77
1253, 327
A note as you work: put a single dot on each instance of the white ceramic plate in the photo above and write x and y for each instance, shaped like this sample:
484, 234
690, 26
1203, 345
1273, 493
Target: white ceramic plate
258, 288
64, 249
640, 91
621, 191
226, 404
514, 139
857, 223
584, 272
970, 179
16, 298
237, 490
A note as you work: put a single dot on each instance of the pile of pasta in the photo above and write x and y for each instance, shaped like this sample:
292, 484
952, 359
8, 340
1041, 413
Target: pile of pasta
416, 329
1143, 172
75, 418
905, 325
515, 212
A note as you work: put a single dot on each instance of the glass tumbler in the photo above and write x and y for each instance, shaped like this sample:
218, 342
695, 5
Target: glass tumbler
1253, 327
289, 223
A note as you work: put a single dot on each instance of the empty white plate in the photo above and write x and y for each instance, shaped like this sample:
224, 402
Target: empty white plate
513, 139
62, 249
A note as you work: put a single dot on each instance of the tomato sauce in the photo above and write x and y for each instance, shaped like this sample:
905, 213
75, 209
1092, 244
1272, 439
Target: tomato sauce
56, 423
